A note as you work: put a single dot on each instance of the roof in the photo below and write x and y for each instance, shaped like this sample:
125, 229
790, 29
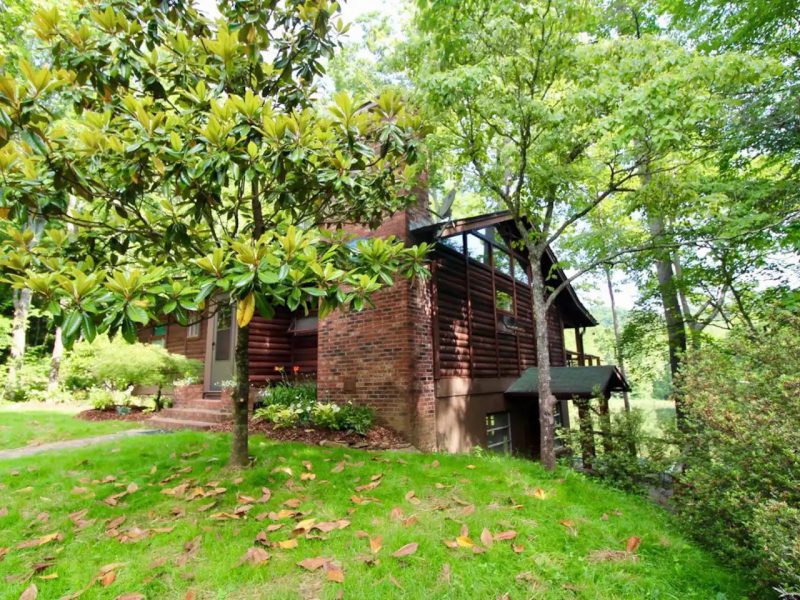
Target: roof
567, 382
574, 313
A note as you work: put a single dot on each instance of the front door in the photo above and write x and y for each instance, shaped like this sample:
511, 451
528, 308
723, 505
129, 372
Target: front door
222, 347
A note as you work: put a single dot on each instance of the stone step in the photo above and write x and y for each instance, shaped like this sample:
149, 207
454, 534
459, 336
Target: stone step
196, 414
167, 423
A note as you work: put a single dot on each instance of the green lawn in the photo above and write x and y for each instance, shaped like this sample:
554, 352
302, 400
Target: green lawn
24, 425
570, 533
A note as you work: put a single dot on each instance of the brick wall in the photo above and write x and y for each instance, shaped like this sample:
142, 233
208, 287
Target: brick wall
383, 356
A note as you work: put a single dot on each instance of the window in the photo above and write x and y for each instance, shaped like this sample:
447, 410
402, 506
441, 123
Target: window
521, 272
503, 301
193, 330
304, 325
498, 432
456, 242
159, 335
502, 262
477, 249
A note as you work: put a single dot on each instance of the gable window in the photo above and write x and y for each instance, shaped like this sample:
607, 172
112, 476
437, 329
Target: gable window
498, 432
503, 301
478, 249
456, 242
521, 272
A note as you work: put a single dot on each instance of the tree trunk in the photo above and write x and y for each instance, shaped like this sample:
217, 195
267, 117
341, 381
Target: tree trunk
547, 423
55, 361
240, 455
617, 343
586, 433
19, 325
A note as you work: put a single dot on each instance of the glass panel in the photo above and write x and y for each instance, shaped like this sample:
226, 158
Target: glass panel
521, 272
222, 346
159, 330
193, 330
305, 324
502, 262
456, 242
504, 301
498, 432
477, 249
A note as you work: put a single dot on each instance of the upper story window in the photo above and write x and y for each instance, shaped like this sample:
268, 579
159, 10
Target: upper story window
521, 272
478, 249
502, 261
456, 242
503, 301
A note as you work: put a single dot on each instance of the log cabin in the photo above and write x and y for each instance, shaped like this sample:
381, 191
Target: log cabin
449, 362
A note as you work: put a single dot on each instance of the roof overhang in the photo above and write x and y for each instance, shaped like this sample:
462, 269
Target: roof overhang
571, 382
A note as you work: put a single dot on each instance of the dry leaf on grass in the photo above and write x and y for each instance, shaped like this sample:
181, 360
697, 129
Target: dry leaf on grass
632, 545
312, 564
41, 541
255, 556
31, 592
333, 572
375, 544
130, 596
486, 538
505, 535
108, 578
406, 550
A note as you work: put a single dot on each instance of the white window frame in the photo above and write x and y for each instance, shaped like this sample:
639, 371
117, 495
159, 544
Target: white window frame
193, 329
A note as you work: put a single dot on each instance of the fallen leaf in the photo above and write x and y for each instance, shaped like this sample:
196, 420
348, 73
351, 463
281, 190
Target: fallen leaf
632, 545
274, 527
412, 520
3, 552
48, 577
412, 497
486, 538
338, 468
395, 582
368, 486
287, 544
406, 550
517, 548
132, 487
307, 476
30, 593
108, 578
505, 535
111, 567
464, 541
221, 516
4, 511
539, 493
334, 573
115, 523
266, 494
468, 510
435, 464
312, 564
293, 503
41, 541
375, 544
255, 556
470, 466
206, 507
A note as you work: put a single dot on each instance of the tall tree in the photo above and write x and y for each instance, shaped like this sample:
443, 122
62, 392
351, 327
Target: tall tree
204, 168
552, 120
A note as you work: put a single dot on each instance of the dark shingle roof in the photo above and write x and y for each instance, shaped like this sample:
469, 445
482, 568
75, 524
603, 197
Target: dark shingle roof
567, 382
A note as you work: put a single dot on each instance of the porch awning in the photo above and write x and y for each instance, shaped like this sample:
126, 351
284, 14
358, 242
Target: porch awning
569, 382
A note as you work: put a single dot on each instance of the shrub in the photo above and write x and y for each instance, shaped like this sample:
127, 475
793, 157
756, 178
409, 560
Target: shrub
31, 380
118, 365
356, 418
101, 399
290, 404
742, 447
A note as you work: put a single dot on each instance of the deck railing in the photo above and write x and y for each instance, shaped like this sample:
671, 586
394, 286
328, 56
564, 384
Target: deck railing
576, 359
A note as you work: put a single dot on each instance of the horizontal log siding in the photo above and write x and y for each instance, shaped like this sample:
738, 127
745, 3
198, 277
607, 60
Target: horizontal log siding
472, 347
272, 346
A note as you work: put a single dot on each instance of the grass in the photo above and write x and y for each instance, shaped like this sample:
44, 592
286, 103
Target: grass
29, 425
565, 527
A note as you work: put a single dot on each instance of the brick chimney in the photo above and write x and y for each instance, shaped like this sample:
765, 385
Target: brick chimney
382, 357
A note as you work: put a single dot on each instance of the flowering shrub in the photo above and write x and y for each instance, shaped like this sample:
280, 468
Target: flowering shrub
291, 404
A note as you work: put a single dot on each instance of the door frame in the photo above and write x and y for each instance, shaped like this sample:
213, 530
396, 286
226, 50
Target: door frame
211, 340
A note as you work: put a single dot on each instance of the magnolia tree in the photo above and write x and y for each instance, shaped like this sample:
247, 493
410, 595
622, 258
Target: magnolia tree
196, 168
540, 110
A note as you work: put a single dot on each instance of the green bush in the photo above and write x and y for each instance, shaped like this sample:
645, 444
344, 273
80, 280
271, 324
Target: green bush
31, 379
101, 399
742, 448
118, 365
279, 415
356, 418
326, 415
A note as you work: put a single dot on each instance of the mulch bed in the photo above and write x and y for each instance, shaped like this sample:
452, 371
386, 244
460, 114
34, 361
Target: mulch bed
110, 414
378, 438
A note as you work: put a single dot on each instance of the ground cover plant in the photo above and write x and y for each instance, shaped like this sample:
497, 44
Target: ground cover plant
20, 427
160, 516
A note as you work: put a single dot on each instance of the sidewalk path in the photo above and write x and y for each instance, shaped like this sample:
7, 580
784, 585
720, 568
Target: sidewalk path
69, 444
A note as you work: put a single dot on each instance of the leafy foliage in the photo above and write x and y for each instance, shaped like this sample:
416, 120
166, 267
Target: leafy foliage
741, 450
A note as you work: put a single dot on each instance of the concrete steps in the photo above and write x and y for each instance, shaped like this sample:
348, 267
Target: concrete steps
168, 423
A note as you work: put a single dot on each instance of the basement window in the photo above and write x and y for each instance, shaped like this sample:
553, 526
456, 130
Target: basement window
498, 432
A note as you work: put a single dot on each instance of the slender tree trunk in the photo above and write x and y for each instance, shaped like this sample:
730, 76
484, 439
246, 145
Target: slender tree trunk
587, 433
240, 455
547, 423
617, 341
55, 361
19, 325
